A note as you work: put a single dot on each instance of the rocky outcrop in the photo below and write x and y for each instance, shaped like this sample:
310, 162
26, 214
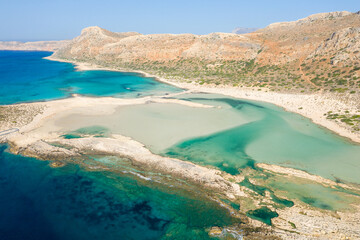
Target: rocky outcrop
34, 46
290, 41
342, 46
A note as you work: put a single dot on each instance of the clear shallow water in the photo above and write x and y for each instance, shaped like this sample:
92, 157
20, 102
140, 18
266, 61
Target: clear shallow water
313, 194
26, 76
72, 203
157, 125
278, 137
235, 136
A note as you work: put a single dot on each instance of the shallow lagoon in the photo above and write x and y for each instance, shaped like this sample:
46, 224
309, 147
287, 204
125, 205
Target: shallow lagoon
235, 134
279, 137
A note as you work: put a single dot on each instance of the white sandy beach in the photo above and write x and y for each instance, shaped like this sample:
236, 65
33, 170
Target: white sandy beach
312, 106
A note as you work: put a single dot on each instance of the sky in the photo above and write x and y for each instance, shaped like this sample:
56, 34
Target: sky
26, 20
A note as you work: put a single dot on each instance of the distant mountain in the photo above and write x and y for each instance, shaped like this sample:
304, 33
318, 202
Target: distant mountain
35, 46
242, 30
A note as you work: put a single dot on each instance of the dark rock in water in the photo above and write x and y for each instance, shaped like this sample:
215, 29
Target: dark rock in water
358, 12
262, 214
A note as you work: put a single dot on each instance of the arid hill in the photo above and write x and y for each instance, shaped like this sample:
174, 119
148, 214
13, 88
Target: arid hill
317, 53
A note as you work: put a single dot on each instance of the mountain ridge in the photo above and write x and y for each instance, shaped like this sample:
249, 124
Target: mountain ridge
280, 57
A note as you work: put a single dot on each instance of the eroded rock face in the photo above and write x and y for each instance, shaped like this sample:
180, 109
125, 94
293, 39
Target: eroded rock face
342, 46
290, 41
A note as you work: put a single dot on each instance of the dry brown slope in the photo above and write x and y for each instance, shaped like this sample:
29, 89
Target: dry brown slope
319, 52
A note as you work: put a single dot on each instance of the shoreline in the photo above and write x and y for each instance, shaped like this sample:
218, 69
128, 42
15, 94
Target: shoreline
37, 140
311, 106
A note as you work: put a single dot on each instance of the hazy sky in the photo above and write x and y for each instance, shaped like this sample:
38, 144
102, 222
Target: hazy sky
27, 20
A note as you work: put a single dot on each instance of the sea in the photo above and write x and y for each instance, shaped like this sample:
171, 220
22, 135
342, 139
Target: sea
77, 202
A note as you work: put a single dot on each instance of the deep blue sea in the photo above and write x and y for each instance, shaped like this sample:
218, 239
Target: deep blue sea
25, 76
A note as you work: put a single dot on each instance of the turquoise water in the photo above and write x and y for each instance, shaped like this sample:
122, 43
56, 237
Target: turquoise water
263, 214
93, 131
261, 190
72, 203
278, 137
313, 194
26, 76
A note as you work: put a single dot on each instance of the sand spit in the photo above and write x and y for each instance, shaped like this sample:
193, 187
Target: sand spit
35, 141
313, 106
291, 172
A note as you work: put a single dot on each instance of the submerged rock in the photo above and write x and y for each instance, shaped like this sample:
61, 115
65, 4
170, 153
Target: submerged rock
57, 164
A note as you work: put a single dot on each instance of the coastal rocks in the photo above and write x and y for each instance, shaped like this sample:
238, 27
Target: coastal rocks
43, 150
313, 224
215, 232
235, 233
139, 155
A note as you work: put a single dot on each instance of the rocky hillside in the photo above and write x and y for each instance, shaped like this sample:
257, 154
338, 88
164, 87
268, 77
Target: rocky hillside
317, 53
34, 46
